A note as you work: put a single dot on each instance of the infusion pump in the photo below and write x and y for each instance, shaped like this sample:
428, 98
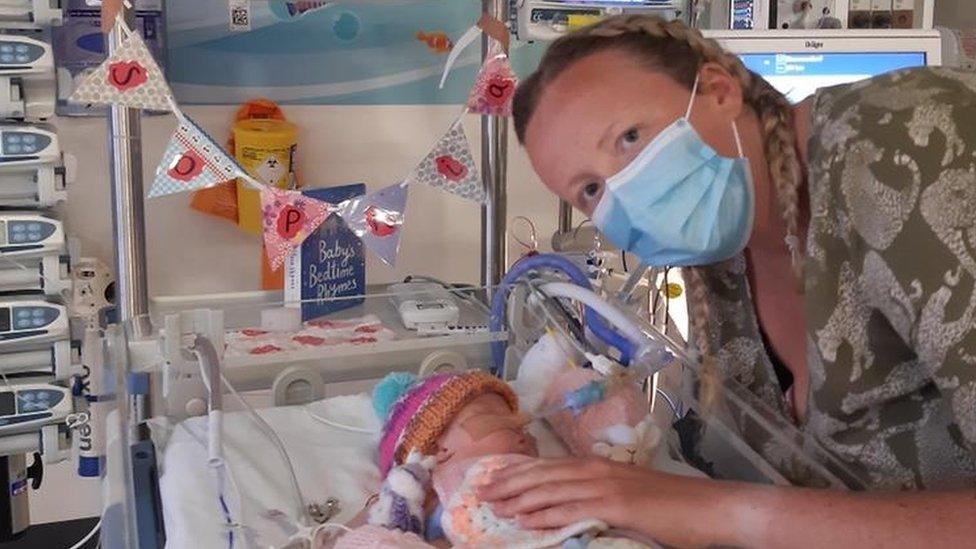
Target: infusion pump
545, 20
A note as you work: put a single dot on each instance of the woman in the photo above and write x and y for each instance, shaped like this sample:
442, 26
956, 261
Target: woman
872, 327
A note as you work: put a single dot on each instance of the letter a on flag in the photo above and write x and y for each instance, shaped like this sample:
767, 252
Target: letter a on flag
192, 161
287, 218
129, 77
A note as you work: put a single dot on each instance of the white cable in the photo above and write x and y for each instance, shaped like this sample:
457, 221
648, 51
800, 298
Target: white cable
276, 442
88, 536
609, 312
330, 423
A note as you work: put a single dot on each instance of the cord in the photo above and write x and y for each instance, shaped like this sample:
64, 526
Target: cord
623, 259
330, 423
88, 536
280, 446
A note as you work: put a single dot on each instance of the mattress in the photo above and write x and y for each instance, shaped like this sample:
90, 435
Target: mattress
328, 462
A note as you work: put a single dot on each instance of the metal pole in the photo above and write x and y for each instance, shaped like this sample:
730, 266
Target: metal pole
128, 228
565, 217
494, 145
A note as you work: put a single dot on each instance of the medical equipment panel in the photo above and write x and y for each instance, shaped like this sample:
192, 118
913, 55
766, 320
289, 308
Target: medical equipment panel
797, 64
549, 19
27, 81
27, 407
424, 305
30, 14
29, 322
32, 170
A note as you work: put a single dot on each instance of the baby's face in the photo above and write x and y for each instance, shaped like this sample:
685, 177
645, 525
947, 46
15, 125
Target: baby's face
485, 426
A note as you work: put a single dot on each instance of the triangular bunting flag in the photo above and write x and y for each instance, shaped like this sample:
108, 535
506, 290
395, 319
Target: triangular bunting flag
192, 161
494, 88
377, 219
287, 218
129, 77
451, 167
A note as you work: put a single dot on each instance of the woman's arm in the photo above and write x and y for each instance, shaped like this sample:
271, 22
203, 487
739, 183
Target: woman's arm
685, 512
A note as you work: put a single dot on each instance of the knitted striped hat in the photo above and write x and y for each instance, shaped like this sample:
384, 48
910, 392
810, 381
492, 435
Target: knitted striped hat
417, 411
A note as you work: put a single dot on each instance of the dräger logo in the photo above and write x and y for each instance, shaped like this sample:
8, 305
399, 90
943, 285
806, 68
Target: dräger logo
814, 44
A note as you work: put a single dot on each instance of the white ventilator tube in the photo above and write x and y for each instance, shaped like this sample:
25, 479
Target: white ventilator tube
612, 314
90, 437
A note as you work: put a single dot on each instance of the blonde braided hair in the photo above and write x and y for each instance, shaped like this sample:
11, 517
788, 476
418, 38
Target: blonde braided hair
672, 48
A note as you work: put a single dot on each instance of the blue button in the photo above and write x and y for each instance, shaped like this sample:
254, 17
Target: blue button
19, 237
6, 58
23, 324
33, 226
13, 149
38, 313
18, 227
30, 138
13, 138
38, 322
22, 59
34, 237
21, 48
27, 395
6, 48
23, 313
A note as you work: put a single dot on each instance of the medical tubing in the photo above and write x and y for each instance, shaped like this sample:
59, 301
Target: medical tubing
555, 262
276, 442
600, 307
215, 449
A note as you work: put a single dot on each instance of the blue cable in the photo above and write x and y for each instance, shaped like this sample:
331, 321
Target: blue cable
594, 321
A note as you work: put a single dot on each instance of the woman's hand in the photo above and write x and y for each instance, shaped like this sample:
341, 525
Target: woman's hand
551, 493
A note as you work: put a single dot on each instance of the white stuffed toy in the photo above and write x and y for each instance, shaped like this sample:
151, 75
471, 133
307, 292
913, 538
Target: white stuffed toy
636, 445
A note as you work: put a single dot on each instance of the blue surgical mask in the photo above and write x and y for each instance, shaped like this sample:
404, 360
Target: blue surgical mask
679, 203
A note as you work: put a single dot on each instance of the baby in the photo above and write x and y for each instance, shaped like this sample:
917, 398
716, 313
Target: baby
443, 437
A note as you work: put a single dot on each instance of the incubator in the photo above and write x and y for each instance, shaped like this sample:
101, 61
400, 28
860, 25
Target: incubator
227, 433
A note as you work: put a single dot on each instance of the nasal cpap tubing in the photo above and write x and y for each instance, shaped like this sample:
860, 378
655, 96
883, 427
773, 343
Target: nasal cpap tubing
539, 262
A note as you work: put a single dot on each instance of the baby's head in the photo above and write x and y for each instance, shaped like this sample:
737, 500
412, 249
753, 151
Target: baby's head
452, 416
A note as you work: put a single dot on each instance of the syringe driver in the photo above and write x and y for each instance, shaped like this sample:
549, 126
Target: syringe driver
32, 168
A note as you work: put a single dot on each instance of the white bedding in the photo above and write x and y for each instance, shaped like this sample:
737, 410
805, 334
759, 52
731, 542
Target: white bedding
328, 461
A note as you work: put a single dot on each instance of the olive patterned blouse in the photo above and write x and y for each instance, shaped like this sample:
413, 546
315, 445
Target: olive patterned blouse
890, 282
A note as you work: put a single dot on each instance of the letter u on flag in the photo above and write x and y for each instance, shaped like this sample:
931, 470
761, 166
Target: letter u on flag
129, 77
192, 161
287, 219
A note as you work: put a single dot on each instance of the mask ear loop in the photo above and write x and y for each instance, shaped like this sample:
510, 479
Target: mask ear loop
691, 100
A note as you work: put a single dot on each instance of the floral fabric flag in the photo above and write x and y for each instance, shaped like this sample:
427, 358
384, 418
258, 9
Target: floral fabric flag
494, 88
129, 77
450, 166
377, 218
192, 161
287, 219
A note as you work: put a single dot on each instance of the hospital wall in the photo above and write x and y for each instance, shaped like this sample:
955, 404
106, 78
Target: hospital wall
189, 252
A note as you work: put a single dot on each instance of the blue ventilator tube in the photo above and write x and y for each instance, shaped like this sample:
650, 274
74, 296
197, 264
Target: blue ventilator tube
554, 262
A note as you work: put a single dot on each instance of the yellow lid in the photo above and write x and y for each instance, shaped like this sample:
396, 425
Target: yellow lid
265, 131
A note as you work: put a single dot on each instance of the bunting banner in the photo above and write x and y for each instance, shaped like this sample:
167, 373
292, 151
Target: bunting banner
494, 88
287, 219
129, 77
450, 166
377, 218
192, 161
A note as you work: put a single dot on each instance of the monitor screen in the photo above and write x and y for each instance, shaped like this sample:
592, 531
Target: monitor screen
799, 75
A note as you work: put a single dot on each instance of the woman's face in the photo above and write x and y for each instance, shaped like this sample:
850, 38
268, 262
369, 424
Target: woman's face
594, 118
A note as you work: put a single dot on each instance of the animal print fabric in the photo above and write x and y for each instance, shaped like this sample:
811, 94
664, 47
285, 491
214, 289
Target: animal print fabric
890, 277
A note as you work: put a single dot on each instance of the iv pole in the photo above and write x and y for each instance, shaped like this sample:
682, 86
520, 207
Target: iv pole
494, 167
